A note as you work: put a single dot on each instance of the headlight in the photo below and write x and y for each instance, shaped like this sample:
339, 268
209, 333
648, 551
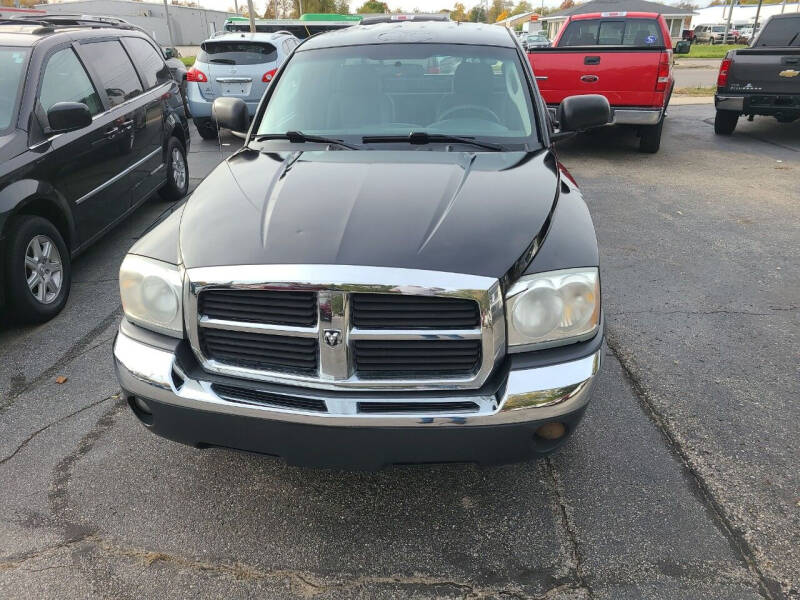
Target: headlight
151, 294
552, 309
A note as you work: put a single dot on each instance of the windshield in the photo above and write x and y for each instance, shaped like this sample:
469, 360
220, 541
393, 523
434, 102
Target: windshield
12, 70
395, 89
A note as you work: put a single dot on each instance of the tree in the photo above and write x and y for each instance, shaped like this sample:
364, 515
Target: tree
523, 6
566, 4
373, 7
477, 14
459, 12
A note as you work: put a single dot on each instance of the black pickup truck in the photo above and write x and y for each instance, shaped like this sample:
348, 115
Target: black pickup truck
763, 79
394, 268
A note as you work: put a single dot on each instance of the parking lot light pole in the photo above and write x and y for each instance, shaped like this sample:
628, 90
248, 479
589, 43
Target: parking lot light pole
758, 12
728, 23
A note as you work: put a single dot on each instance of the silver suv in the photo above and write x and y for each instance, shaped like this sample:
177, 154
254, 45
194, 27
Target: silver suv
238, 65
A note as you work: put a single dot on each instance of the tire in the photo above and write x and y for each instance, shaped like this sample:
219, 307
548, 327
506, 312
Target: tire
725, 122
36, 247
650, 137
206, 128
177, 172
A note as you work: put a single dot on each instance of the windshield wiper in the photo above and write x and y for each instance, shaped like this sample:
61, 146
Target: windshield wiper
298, 137
223, 61
418, 138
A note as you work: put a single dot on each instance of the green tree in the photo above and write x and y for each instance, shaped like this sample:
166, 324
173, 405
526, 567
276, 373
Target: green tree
523, 6
477, 14
459, 12
373, 7
566, 4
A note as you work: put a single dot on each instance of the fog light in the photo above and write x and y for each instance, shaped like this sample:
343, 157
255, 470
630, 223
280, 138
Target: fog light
142, 406
551, 431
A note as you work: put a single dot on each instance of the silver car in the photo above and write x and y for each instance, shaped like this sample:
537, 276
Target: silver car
239, 65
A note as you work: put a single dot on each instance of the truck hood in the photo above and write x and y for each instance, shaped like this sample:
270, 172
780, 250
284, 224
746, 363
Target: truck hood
444, 211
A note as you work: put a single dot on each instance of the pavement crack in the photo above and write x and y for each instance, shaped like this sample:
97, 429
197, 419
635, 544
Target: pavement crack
565, 513
32, 436
768, 588
77, 349
711, 312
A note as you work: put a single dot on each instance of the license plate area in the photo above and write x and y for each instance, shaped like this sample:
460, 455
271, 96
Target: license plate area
235, 89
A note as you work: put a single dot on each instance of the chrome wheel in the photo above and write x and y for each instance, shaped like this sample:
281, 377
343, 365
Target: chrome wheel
44, 271
178, 169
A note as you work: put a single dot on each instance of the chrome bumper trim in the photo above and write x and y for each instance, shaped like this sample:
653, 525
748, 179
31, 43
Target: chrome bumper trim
729, 103
529, 394
624, 116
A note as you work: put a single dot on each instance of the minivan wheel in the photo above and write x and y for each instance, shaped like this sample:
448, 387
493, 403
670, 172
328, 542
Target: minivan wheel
206, 128
38, 269
177, 172
725, 122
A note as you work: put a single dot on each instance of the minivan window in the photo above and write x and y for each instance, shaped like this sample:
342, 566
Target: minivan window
65, 80
151, 64
630, 32
780, 33
13, 62
237, 53
394, 89
115, 70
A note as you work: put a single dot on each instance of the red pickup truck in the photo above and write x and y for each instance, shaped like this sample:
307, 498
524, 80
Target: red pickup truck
626, 57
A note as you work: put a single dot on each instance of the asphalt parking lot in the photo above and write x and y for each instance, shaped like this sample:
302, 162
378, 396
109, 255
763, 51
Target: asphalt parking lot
682, 481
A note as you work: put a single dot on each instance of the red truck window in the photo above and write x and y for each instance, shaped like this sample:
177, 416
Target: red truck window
640, 33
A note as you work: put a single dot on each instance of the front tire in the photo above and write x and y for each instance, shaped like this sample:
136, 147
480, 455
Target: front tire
177, 172
725, 122
38, 269
206, 128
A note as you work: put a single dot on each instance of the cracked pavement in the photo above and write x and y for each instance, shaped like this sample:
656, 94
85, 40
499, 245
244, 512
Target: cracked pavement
682, 481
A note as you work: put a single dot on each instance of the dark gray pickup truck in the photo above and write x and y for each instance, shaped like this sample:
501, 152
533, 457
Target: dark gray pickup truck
763, 79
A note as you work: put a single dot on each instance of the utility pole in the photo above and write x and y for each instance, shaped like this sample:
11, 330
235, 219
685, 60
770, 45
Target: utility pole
300, 2
236, 6
252, 12
169, 24
758, 12
728, 23
783, 6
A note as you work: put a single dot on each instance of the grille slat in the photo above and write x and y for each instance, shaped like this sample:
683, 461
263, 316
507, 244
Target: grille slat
448, 357
248, 396
272, 307
266, 352
395, 311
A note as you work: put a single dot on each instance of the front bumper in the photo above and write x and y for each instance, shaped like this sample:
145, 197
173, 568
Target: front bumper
183, 405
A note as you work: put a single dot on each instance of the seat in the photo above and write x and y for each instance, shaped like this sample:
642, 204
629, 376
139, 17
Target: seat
357, 100
472, 85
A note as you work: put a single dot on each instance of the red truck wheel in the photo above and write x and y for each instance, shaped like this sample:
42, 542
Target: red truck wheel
650, 137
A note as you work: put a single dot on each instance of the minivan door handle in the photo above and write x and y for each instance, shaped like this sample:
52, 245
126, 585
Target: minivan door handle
591, 60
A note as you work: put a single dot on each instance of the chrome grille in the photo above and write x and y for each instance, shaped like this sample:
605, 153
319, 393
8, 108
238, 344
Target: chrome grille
373, 328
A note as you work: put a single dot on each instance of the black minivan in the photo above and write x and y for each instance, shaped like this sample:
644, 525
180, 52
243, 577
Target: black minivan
91, 125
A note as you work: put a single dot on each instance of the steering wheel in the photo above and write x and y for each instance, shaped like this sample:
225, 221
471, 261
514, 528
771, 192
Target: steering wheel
472, 107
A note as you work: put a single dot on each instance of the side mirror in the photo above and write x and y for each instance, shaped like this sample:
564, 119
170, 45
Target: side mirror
68, 116
682, 47
231, 113
577, 113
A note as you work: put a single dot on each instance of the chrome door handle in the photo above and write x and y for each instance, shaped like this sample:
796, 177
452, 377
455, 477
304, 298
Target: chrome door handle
589, 78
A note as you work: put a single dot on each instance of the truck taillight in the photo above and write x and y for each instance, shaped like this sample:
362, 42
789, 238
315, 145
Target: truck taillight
664, 68
722, 78
197, 75
269, 75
